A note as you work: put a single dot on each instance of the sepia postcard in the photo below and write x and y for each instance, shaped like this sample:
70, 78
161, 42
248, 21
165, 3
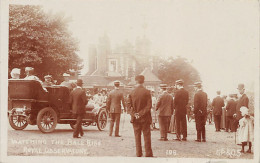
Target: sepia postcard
116, 80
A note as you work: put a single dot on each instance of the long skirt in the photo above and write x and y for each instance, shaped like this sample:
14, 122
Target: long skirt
223, 119
172, 127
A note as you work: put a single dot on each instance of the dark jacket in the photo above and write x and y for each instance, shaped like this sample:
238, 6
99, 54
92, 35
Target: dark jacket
231, 107
200, 103
243, 101
115, 97
165, 104
181, 99
217, 105
140, 101
78, 100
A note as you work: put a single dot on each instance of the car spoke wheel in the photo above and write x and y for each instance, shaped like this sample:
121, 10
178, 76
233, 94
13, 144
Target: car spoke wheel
102, 120
18, 122
47, 120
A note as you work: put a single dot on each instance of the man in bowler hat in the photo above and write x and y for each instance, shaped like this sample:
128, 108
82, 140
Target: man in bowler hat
78, 101
114, 100
165, 107
217, 105
181, 100
140, 102
242, 101
200, 111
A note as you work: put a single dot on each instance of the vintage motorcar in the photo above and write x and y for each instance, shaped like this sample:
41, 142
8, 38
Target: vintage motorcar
30, 103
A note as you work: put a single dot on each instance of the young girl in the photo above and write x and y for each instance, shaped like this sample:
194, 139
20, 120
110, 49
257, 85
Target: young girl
246, 129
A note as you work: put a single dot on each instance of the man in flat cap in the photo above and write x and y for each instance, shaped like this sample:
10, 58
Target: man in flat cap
217, 105
47, 81
181, 99
114, 101
140, 102
165, 107
78, 100
200, 111
230, 111
242, 101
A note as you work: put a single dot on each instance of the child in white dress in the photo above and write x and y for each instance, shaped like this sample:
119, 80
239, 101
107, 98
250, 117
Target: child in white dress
246, 129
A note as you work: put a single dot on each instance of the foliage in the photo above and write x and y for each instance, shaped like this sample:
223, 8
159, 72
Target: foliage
172, 69
41, 40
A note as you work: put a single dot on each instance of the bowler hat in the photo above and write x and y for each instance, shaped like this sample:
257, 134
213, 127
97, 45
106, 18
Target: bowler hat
139, 78
241, 86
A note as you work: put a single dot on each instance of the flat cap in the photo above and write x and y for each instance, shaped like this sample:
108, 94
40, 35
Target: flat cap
117, 82
197, 84
47, 76
180, 81
163, 85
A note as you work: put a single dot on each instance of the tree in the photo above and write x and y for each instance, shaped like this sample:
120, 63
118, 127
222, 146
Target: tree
172, 69
41, 40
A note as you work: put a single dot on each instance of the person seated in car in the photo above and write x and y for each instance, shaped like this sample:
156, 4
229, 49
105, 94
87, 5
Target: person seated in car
15, 73
47, 81
30, 76
66, 81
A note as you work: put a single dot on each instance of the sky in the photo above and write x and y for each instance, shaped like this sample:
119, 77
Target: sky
221, 38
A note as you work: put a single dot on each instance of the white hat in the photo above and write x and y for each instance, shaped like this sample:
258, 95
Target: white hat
16, 71
244, 110
29, 68
65, 74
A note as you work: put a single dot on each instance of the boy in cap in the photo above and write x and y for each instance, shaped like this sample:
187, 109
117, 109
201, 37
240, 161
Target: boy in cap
230, 111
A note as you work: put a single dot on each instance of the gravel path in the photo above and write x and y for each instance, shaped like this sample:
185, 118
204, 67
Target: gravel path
31, 142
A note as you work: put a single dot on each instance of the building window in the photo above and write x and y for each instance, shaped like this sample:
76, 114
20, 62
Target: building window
113, 65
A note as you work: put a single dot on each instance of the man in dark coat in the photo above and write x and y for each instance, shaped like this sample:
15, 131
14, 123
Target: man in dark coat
114, 100
200, 111
140, 102
230, 111
217, 105
242, 101
165, 107
78, 101
181, 99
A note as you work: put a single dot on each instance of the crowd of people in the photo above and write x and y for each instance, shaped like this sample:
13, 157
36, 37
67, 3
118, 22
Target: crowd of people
169, 110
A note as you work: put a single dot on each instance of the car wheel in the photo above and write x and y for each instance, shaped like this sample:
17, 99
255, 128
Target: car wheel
18, 122
47, 120
102, 119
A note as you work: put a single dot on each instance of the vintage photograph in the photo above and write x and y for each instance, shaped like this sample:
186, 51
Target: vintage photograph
173, 79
